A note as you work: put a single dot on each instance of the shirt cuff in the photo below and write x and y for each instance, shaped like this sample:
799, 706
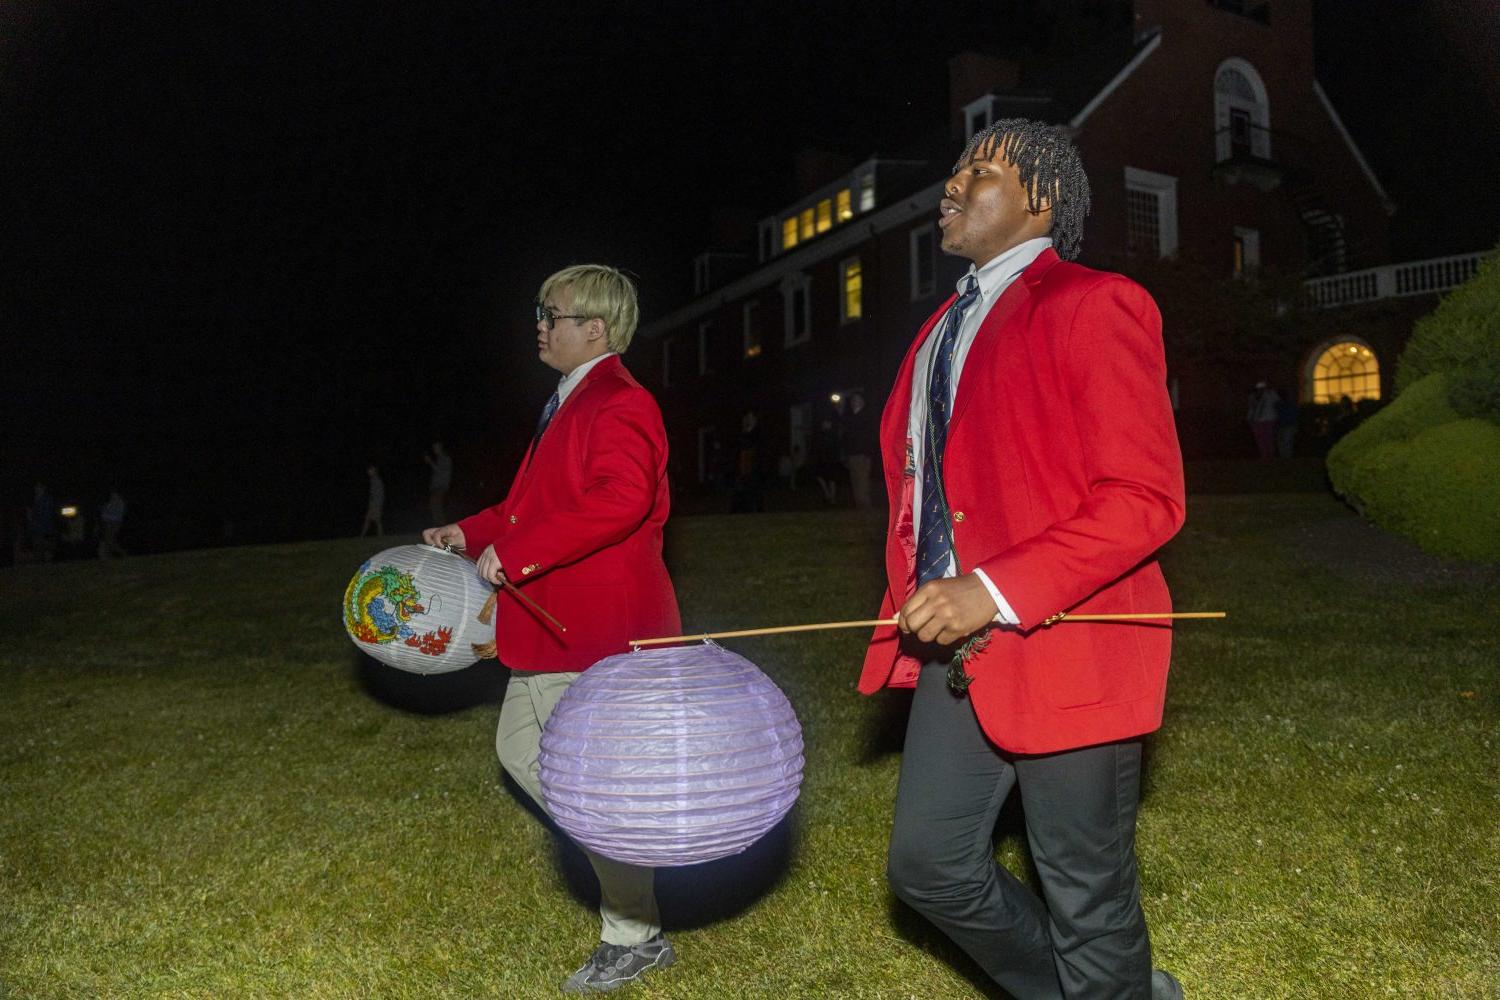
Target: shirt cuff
1004, 615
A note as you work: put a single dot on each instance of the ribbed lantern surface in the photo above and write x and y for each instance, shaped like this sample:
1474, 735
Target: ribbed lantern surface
671, 756
419, 609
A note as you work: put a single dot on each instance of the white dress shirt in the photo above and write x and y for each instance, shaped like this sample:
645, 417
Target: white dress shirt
994, 278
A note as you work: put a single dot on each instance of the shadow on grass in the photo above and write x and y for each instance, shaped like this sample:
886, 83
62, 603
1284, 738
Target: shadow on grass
883, 726
429, 694
692, 896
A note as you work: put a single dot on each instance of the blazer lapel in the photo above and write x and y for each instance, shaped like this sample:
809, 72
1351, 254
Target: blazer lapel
897, 412
565, 411
981, 353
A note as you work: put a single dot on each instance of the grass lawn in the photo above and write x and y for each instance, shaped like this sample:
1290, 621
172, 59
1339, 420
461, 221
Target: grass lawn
208, 794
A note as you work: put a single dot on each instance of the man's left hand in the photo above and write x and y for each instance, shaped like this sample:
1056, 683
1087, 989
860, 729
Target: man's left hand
488, 566
947, 611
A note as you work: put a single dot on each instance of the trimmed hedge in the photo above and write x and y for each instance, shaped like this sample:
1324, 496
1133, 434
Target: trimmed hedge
1461, 333
1419, 469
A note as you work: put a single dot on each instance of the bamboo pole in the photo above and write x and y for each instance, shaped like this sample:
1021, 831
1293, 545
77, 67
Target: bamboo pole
873, 622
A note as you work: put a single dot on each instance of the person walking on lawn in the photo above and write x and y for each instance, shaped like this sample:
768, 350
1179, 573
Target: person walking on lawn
581, 532
1033, 465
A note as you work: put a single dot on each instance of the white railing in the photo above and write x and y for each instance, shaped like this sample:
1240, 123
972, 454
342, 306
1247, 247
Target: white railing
1422, 277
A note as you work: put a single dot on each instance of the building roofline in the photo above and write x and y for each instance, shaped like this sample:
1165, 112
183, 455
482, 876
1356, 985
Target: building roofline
1119, 78
850, 234
1359, 157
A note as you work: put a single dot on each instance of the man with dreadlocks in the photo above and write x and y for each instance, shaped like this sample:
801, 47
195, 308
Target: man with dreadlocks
1030, 452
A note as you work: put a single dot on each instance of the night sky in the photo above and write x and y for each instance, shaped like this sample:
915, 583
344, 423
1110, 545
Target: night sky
250, 247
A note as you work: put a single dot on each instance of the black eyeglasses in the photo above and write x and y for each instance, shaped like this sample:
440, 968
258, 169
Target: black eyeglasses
545, 315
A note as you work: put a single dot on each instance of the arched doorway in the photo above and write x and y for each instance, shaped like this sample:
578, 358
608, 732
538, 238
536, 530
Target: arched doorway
1343, 367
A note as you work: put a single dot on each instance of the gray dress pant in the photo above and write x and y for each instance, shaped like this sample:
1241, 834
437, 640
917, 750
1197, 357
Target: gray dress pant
1087, 936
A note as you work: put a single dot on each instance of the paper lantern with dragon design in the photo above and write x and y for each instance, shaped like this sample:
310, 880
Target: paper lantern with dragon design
671, 756
420, 609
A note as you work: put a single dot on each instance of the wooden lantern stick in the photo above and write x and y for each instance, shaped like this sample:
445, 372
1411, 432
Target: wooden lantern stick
533, 605
873, 622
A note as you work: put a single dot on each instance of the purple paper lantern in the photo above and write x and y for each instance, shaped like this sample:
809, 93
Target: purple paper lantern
668, 757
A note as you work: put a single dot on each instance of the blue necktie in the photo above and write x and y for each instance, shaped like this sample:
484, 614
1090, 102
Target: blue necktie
547, 412
935, 534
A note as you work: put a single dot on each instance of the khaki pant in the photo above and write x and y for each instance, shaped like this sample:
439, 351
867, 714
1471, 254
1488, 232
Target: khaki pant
627, 898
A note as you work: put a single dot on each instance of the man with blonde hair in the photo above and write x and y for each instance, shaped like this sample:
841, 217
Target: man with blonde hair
581, 532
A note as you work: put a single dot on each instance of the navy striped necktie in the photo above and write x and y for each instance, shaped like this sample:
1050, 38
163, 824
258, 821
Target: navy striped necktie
935, 533
547, 413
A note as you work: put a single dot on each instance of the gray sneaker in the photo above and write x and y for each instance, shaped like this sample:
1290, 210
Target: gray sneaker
614, 965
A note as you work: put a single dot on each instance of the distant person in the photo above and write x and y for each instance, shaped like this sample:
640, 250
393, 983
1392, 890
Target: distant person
859, 447
1345, 417
441, 464
1287, 415
825, 459
41, 524
375, 507
747, 484
1261, 415
111, 519
799, 462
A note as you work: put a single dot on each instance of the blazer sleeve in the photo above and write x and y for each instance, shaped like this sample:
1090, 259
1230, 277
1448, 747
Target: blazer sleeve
482, 529
1114, 370
624, 457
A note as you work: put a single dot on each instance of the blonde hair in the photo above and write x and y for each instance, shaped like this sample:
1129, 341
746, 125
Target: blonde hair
600, 292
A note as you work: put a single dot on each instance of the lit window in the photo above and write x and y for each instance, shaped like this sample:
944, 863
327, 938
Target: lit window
1346, 368
845, 205
806, 228
751, 315
1150, 213
789, 233
923, 246
825, 215
852, 301
867, 192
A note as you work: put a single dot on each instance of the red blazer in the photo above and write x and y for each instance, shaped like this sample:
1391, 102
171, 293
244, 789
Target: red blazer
581, 530
1063, 476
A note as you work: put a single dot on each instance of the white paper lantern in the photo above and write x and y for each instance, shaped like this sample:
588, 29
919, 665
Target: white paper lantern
420, 609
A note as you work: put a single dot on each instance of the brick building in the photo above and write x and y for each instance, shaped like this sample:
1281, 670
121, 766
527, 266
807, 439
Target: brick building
1211, 150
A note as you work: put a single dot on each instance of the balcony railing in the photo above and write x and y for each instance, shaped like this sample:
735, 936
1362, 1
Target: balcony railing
1392, 281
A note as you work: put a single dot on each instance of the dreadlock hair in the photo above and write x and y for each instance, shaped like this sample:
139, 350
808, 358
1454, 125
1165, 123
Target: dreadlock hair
1050, 169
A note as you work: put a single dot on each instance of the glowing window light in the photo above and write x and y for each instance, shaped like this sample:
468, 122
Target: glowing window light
806, 220
1346, 369
825, 215
845, 205
789, 233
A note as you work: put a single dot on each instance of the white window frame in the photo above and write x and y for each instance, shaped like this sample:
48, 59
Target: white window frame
747, 326
979, 114
1164, 186
790, 285
864, 194
1259, 110
844, 317
1250, 241
704, 329
914, 239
